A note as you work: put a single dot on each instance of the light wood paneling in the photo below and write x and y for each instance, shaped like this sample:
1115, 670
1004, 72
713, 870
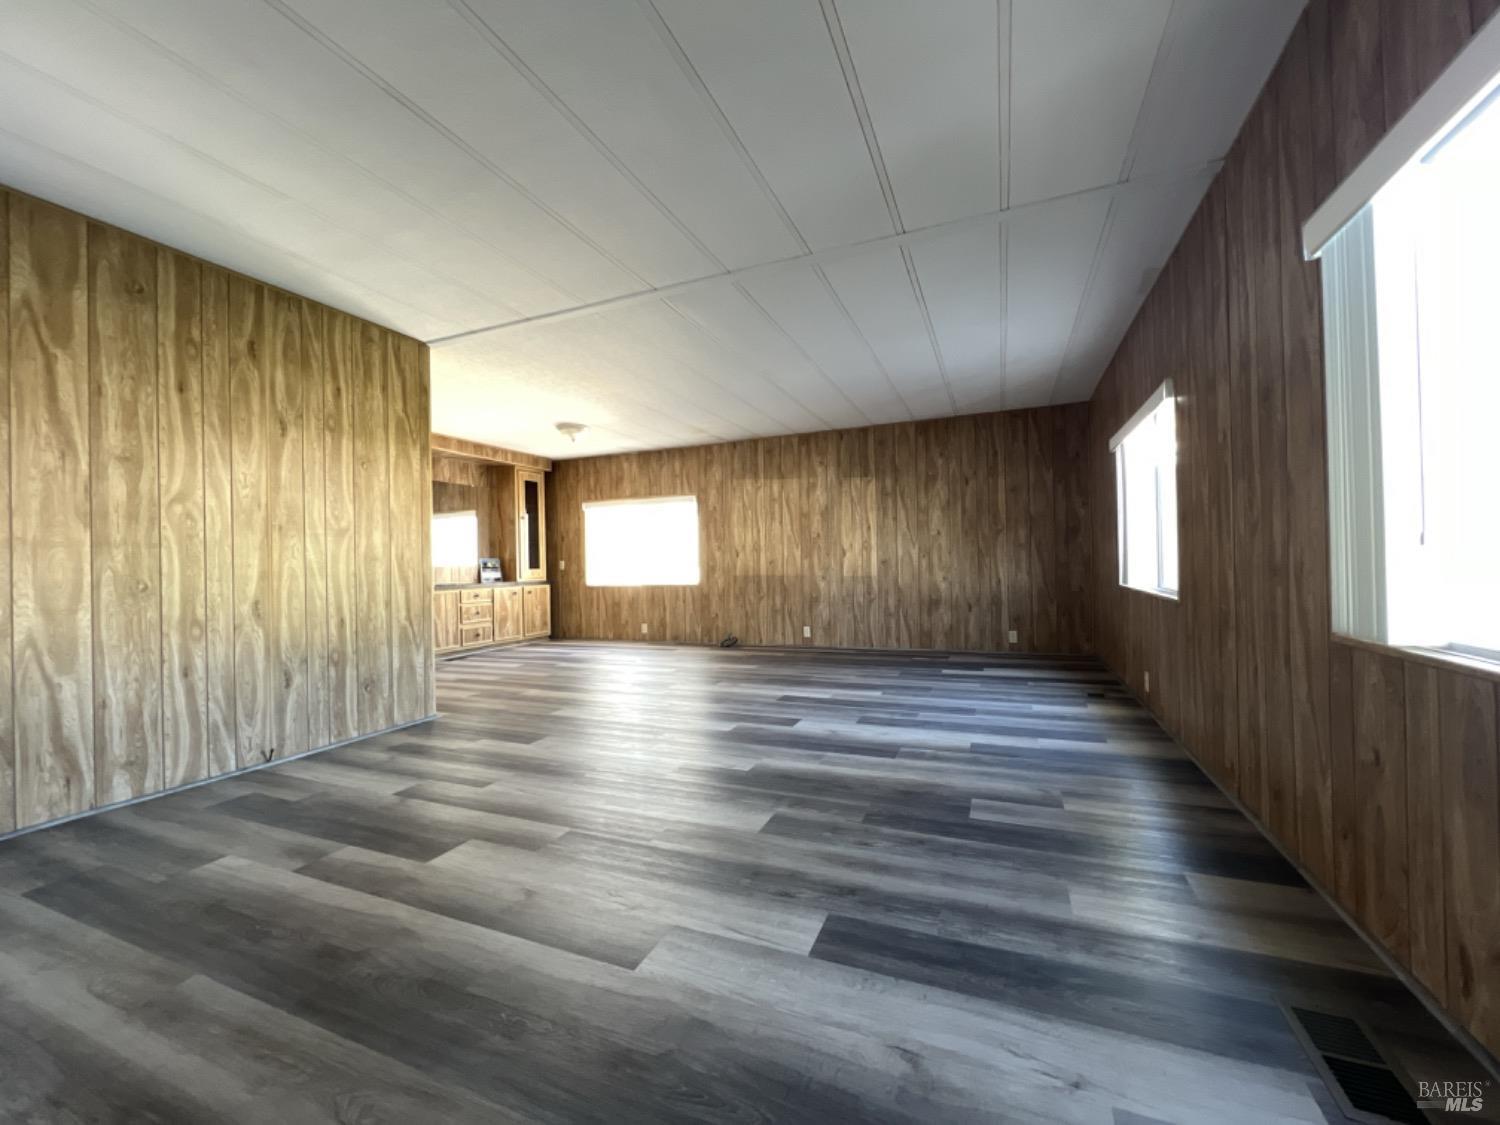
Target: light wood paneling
184, 571
7, 697
289, 362
372, 486
1377, 769
479, 452
249, 347
340, 390
52, 596
181, 580
218, 521
915, 535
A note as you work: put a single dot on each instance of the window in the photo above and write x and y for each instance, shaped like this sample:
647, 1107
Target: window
641, 542
1412, 350
1145, 451
455, 539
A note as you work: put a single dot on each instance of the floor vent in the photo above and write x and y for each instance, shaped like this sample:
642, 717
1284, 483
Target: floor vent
1360, 1080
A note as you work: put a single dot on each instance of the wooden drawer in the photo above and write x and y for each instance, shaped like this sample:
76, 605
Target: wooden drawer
476, 613
468, 597
478, 634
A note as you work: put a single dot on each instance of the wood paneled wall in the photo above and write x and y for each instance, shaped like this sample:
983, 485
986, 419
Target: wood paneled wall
929, 535
214, 544
1377, 770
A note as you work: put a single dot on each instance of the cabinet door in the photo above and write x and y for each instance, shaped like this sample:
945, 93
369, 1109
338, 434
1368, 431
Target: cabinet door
508, 613
538, 611
531, 525
445, 626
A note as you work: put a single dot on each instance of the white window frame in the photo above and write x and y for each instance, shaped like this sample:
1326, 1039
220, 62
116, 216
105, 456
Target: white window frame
696, 570
1160, 588
1378, 568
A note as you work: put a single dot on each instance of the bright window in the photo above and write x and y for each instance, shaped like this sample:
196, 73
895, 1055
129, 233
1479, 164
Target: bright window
455, 539
1412, 328
641, 542
1145, 451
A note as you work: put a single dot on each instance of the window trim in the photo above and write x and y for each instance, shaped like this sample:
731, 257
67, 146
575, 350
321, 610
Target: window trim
1164, 393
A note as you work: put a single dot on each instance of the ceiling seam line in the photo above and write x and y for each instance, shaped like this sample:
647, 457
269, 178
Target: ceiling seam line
228, 91
845, 57
830, 253
244, 177
1004, 250
937, 348
863, 339
416, 111
315, 268
509, 54
1004, 61
1163, 53
690, 71
1111, 216
709, 334
816, 366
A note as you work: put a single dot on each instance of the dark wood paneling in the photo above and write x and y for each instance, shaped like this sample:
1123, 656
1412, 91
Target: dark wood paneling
1356, 758
916, 535
173, 439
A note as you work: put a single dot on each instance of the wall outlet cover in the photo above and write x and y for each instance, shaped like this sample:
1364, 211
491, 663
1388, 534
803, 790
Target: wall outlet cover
643, 627
1148, 683
807, 630
1013, 636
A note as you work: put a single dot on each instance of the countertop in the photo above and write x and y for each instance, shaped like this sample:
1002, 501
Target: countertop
439, 586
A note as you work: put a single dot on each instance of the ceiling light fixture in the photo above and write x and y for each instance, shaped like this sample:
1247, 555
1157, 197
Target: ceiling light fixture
571, 429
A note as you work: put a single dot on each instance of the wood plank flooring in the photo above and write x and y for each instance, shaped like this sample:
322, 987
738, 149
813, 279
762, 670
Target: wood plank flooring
618, 883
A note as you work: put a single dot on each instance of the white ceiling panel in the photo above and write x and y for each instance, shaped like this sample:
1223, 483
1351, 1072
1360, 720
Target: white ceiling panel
1144, 223
875, 286
1050, 251
803, 303
1215, 59
930, 75
763, 349
449, 68
1080, 70
961, 281
795, 118
610, 65
673, 221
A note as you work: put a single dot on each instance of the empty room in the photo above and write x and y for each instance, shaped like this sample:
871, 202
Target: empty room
814, 561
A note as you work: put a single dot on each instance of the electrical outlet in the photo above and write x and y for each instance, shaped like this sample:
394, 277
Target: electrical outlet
644, 630
1013, 636
1148, 683
562, 564
807, 631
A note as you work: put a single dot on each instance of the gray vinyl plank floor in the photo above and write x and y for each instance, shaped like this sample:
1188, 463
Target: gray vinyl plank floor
616, 883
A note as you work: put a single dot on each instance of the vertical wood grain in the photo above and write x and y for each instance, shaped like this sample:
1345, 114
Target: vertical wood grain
7, 695
254, 593
218, 523
124, 523
410, 589
288, 361
342, 385
1311, 805
911, 535
1382, 887
1425, 816
424, 469
1469, 749
315, 525
372, 483
1429, 36
49, 489
184, 571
